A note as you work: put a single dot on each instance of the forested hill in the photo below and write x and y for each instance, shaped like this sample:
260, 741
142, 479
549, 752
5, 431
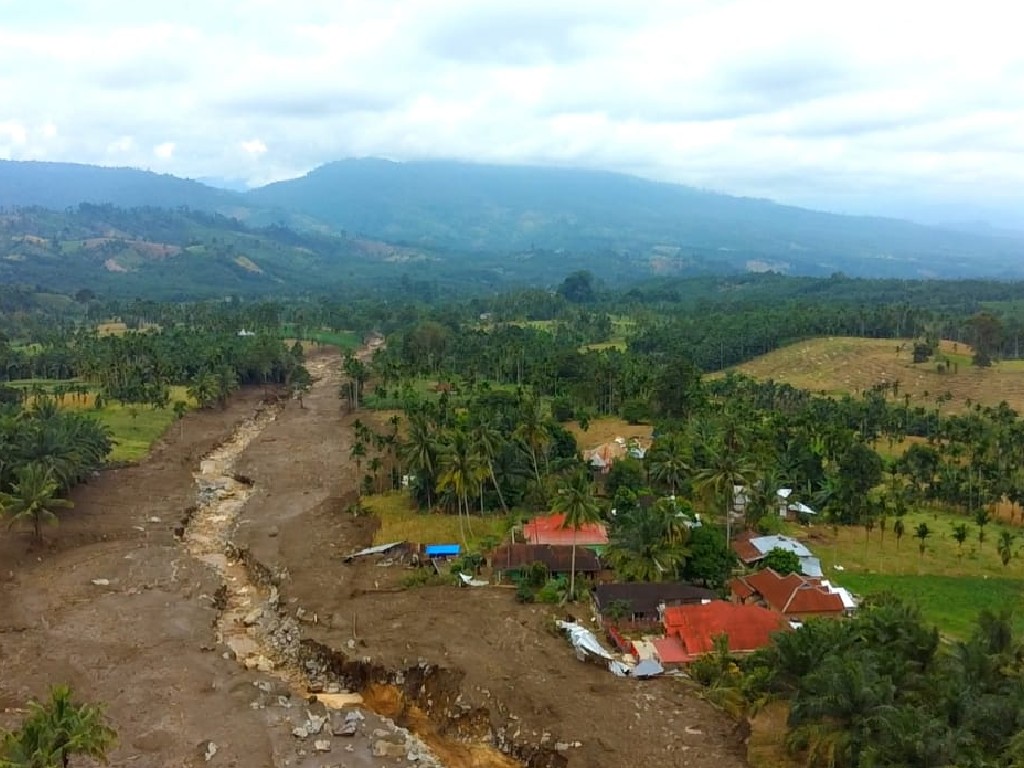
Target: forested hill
536, 224
668, 227
64, 185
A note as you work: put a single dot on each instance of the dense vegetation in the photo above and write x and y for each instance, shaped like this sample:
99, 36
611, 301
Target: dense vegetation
879, 690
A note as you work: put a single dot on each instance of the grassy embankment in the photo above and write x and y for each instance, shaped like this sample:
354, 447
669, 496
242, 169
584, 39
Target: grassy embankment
134, 427
401, 521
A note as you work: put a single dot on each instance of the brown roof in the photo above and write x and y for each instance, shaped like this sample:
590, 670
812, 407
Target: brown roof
746, 551
557, 559
645, 597
790, 594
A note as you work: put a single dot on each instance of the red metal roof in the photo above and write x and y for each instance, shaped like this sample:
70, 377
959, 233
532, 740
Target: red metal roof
748, 627
550, 530
670, 650
746, 551
790, 594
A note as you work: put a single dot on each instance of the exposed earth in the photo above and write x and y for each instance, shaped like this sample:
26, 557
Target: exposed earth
203, 597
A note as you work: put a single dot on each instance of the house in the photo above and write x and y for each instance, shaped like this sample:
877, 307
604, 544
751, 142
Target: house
690, 630
558, 560
647, 601
789, 507
601, 458
551, 530
751, 549
795, 597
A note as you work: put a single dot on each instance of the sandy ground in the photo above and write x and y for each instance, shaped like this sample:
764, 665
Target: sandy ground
462, 667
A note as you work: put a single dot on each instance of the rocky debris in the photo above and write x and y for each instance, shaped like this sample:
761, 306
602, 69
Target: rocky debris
207, 749
273, 532
348, 725
383, 748
322, 745
101, 582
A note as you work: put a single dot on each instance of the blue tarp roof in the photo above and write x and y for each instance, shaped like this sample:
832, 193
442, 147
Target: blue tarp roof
441, 550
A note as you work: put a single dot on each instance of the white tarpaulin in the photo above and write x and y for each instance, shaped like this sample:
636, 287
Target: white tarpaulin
586, 644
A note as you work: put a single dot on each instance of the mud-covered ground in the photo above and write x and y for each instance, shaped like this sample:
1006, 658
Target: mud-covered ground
453, 664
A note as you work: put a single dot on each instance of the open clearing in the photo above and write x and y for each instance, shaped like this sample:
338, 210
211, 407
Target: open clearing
134, 427
951, 585
401, 521
839, 365
136, 617
601, 431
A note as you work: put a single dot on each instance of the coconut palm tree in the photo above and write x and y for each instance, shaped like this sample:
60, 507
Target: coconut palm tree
32, 498
56, 731
724, 471
670, 463
640, 547
461, 472
419, 453
575, 499
487, 443
533, 431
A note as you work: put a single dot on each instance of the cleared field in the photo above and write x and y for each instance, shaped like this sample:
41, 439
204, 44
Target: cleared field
601, 431
950, 583
840, 365
401, 521
342, 339
134, 427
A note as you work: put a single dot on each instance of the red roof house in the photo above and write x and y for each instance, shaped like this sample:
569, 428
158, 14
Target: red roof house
794, 596
551, 530
690, 630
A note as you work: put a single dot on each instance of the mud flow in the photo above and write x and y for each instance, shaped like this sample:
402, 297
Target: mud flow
261, 636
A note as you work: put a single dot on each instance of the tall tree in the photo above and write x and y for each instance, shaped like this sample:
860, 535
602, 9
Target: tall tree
575, 499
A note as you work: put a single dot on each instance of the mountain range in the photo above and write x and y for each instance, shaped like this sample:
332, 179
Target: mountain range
438, 218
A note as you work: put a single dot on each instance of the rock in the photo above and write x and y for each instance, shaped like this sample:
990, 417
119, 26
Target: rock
693, 731
253, 617
157, 520
382, 748
333, 688
322, 745
561, 746
263, 664
316, 686
273, 532
315, 723
209, 750
301, 732
101, 582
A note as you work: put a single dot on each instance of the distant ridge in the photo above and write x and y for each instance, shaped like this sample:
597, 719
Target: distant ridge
628, 225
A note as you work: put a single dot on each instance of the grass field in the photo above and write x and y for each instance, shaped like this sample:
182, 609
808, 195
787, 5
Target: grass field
401, 521
951, 585
135, 427
848, 365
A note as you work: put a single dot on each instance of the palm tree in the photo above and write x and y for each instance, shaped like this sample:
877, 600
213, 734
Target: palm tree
532, 431
640, 547
960, 536
487, 442
32, 497
54, 732
670, 464
1005, 547
419, 452
724, 472
461, 473
575, 499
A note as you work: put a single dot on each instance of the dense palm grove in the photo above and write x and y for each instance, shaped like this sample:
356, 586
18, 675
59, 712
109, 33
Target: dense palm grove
881, 690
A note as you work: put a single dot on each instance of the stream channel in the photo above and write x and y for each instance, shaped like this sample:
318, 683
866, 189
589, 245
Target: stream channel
261, 636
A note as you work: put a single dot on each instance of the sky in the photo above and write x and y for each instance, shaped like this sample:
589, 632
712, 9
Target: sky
900, 107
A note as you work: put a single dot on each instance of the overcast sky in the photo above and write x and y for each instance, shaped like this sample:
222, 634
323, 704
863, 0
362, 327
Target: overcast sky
898, 107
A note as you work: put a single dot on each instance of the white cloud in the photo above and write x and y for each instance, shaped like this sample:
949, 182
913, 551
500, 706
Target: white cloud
855, 106
254, 147
164, 150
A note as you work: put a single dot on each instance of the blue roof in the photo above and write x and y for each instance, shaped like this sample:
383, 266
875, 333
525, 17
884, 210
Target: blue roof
441, 550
